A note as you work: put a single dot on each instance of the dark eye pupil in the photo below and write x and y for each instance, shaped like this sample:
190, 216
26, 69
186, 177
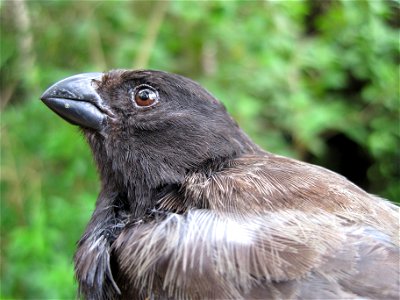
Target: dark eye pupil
144, 95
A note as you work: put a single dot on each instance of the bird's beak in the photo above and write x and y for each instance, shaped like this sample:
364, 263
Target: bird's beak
75, 99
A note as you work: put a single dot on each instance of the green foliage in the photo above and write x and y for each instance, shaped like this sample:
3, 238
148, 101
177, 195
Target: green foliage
294, 74
47, 175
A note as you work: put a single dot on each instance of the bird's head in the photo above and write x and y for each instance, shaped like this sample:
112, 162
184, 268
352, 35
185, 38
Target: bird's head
147, 127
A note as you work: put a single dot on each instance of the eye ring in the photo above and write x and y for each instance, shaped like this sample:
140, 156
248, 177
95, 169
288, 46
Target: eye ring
145, 96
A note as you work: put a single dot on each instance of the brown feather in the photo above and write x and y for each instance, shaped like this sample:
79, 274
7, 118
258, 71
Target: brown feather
271, 221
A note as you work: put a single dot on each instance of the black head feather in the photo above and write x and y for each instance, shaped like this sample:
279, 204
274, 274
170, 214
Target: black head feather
149, 147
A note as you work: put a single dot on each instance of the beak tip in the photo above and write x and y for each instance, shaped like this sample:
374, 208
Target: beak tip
45, 95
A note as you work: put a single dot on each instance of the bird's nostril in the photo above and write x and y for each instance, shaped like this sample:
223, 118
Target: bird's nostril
63, 93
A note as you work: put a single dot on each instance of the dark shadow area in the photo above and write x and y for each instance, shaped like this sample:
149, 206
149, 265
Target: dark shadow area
347, 158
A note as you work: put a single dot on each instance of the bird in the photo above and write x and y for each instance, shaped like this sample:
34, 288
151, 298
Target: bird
191, 208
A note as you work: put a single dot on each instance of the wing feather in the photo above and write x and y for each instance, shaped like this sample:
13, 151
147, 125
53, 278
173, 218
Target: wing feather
270, 227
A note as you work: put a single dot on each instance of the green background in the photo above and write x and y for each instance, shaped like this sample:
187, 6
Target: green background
314, 80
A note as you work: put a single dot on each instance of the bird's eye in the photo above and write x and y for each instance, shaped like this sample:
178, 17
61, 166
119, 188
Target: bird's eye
145, 96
